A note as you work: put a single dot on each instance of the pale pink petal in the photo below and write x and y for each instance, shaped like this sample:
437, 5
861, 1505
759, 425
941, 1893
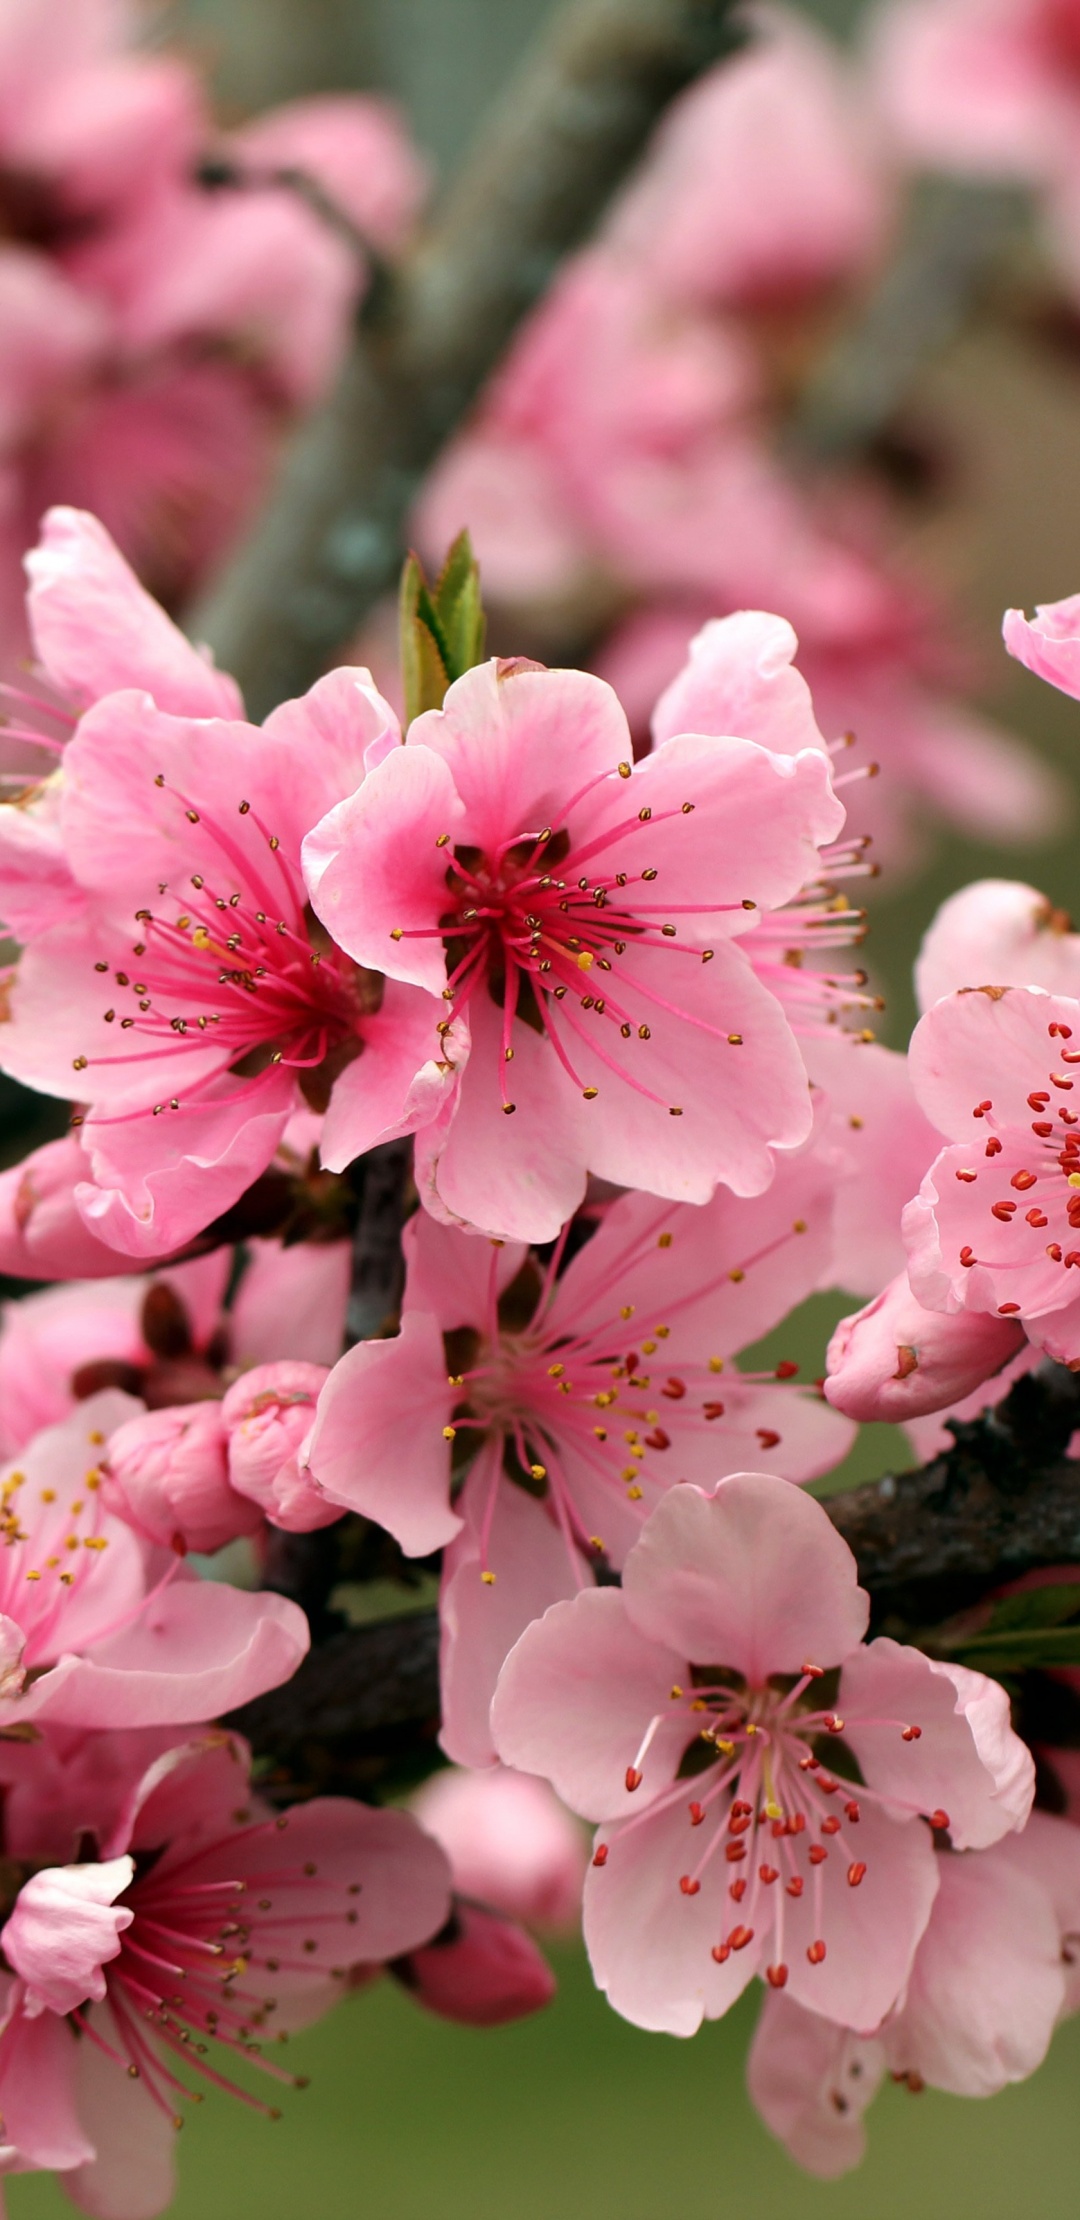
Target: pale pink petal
753, 1576
38, 2092
378, 1443
509, 1841
885, 1144
575, 1697
930, 1437
158, 1181
517, 1177
650, 1946
482, 1619
1002, 930
96, 630
201, 1649
132, 2174
896, 1361
871, 1932
1048, 1851
291, 1302
455, 1277
167, 1475
961, 1255
329, 730
518, 741
1048, 643
38, 888
811, 2081
42, 1236
397, 1083
65, 1927
739, 679
976, 1047
966, 1761
375, 867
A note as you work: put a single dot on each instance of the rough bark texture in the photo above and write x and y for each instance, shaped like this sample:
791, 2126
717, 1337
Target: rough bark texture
364, 1706
571, 123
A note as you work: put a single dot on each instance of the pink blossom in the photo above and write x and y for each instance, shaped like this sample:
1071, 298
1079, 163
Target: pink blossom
526, 776
1049, 643
42, 1236
356, 150
571, 1402
991, 1978
763, 185
261, 1917
998, 929
82, 122
896, 1361
183, 836
509, 1841
482, 1970
167, 1477
883, 1143
606, 1695
992, 1225
93, 1631
267, 1416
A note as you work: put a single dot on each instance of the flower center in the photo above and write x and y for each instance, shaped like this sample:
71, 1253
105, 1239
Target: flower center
1049, 1180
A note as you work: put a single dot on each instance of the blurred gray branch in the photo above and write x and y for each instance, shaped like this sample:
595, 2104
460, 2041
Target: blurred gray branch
571, 122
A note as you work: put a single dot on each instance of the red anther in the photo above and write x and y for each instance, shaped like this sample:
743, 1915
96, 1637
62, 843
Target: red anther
993, 1147
913, 1734
733, 1851
776, 1976
697, 1814
1036, 1217
658, 1439
785, 1370
967, 1257
1058, 1079
796, 1885
1022, 1181
818, 1853
809, 1765
856, 1873
827, 1784
1009, 1310
1070, 1056
768, 1874
1042, 1128
631, 1360
674, 1389
633, 1778
1072, 1256
1069, 1117
981, 1109
688, 1886
798, 1822
779, 1827
939, 1819
721, 1952
967, 1177
1060, 1032
852, 1812
713, 1410
741, 1809
830, 1826
834, 1723
1053, 1251
816, 1953
739, 1822
1038, 1101
813, 1672
738, 1889
740, 1936
1002, 1210
600, 1854
767, 1438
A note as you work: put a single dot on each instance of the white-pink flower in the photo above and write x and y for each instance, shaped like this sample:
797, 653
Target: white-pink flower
577, 912
567, 1403
693, 1714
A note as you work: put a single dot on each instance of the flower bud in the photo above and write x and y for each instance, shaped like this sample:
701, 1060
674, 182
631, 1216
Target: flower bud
481, 1969
42, 1236
509, 1841
167, 1474
894, 1360
267, 1415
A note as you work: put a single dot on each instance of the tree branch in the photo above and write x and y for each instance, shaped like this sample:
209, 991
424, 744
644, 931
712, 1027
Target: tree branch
574, 118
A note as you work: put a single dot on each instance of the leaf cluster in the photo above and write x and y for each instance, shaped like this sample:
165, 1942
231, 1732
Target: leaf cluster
442, 627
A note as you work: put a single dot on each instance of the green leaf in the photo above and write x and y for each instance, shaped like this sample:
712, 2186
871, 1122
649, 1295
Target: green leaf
442, 629
1040, 1627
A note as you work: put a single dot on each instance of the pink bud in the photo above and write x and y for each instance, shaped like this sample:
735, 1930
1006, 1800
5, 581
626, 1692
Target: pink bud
42, 1236
896, 1361
509, 1841
267, 1415
167, 1474
481, 1970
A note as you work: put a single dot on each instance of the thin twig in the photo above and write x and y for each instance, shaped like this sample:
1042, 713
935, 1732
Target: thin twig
572, 121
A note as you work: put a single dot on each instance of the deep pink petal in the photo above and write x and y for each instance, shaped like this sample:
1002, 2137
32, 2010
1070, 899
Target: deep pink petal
377, 1445
375, 869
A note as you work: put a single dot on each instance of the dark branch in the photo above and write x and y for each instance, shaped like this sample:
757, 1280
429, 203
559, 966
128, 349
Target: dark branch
363, 1708
573, 120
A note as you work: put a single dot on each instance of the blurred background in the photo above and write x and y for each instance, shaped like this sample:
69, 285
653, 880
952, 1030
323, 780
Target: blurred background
574, 2112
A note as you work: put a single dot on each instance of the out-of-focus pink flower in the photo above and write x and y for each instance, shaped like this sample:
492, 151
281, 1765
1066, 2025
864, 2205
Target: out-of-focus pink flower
1002, 931
482, 1970
764, 185
574, 1400
358, 153
825, 1889
1048, 643
290, 1903
995, 1226
512, 845
990, 1981
93, 1632
191, 826
884, 1142
509, 1841
895, 1361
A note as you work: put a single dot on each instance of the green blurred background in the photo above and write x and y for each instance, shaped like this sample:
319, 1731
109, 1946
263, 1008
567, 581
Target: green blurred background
574, 2113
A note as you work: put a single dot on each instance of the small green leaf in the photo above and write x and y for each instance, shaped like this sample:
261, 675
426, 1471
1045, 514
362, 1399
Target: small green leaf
1040, 1627
442, 630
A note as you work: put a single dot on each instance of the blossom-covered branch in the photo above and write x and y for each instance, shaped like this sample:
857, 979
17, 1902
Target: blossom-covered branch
571, 123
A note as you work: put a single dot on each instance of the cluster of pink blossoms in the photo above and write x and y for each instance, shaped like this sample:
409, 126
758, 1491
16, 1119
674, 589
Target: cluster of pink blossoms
646, 1122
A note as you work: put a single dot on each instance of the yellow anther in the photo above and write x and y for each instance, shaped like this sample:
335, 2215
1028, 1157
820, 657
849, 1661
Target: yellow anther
773, 1810
699, 1704
595, 1542
488, 1579
676, 1692
716, 1364
33, 1576
634, 1494
737, 1275
626, 1310
449, 1433
726, 1749
649, 1348
799, 1226
555, 1371
95, 1541
585, 959
48, 1495
539, 1472
665, 1241
600, 1432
